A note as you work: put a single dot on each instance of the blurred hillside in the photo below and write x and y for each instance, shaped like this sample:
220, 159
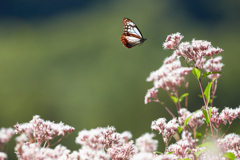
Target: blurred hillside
64, 60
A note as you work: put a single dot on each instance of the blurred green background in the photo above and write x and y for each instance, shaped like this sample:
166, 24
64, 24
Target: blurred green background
63, 60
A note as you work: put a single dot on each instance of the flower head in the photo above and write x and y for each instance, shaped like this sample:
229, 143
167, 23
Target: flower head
172, 41
151, 93
3, 156
169, 75
228, 114
166, 129
122, 152
98, 138
146, 143
42, 130
5, 135
214, 65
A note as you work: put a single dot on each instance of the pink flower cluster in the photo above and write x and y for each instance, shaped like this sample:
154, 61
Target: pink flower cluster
195, 121
99, 143
214, 65
230, 143
196, 51
151, 94
126, 151
166, 129
184, 148
170, 75
118, 146
5, 135
172, 41
193, 52
3, 156
146, 143
36, 132
31, 151
42, 131
98, 138
149, 156
229, 114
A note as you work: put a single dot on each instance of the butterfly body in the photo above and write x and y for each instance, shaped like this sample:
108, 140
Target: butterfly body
131, 36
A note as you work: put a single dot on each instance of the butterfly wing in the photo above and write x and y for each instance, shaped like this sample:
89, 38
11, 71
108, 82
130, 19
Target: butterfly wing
131, 36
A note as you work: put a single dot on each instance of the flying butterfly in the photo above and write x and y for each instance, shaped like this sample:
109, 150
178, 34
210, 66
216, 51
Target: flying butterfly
131, 36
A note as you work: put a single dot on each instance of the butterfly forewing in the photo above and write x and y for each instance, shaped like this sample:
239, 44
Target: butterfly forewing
131, 36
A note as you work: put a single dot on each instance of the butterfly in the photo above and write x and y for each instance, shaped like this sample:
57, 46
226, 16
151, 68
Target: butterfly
131, 36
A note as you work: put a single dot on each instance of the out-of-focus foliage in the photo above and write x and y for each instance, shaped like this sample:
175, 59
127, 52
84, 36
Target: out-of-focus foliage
70, 65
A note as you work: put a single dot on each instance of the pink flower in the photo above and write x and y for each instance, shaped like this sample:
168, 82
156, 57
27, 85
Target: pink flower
200, 45
33, 151
183, 115
169, 75
238, 111
22, 138
214, 65
195, 121
5, 135
166, 157
215, 118
228, 114
42, 130
170, 59
124, 152
86, 153
3, 156
230, 141
172, 41
143, 156
166, 129
195, 51
212, 51
183, 148
125, 137
152, 93
146, 143
159, 124
98, 138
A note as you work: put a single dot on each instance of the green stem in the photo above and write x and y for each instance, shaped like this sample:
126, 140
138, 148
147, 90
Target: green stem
206, 106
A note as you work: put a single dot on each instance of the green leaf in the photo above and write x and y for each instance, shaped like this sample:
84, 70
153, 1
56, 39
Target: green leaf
207, 91
157, 152
200, 96
197, 154
196, 72
170, 152
205, 115
210, 112
229, 155
198, 135
183, 96
208, 73
211, 146
175, 99
180, 129
186, 121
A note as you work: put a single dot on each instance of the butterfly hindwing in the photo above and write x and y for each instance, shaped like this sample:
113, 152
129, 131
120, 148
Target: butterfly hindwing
131, 36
